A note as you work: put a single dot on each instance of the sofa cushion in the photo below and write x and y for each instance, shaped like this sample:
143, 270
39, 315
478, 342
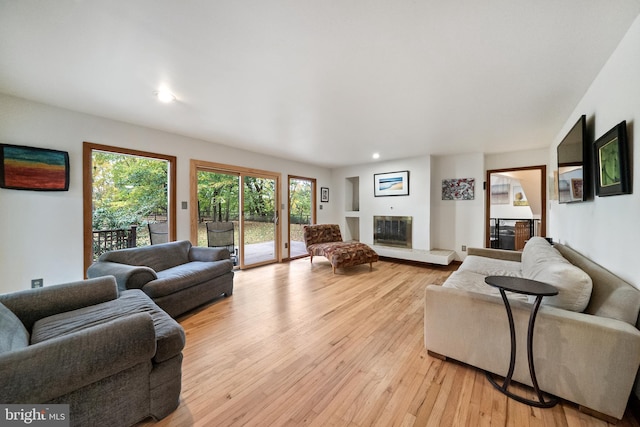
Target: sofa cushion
536, 253
157, 257
471, 281
491, 266
611, 296
170, 336
13, 334
542, 262
183, 276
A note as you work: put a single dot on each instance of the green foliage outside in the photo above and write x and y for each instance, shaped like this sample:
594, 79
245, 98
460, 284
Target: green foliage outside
127, 190
218, 195
130, 190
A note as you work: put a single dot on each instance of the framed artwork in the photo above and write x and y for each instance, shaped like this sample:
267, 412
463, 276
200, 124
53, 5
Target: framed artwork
519, 198
30, 168
553, 186
577, 188
500, 194
324, 194
458, 189
391, 184
612, 162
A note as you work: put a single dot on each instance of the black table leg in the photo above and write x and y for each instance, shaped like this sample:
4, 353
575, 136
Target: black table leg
540, 403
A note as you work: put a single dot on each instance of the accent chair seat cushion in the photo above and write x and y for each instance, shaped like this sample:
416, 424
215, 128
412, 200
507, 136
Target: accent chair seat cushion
345, 254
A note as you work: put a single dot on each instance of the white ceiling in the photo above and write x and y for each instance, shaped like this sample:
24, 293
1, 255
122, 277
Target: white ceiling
322, 81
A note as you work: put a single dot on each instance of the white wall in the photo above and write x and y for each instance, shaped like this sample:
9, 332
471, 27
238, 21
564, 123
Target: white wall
516, 159
455, 223
416, 204
41, 232
606, 229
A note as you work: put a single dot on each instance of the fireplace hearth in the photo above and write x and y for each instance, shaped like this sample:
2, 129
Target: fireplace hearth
392, 231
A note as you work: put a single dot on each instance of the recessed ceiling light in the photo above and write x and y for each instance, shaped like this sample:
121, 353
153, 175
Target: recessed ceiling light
165, 96
376, 155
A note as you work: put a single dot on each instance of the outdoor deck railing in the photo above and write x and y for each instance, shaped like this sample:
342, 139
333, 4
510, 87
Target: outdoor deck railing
109, 240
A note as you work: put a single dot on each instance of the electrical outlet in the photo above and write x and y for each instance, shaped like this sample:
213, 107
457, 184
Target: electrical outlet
37, 283
286, 245
464, 248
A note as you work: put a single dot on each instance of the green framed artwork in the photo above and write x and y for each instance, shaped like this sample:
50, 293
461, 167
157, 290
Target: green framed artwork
30, 168
613, 171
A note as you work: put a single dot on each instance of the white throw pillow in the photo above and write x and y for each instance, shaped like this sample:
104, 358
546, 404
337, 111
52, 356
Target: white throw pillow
574, 286
542, 262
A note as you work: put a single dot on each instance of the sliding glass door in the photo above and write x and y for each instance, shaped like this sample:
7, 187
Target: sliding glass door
247, 199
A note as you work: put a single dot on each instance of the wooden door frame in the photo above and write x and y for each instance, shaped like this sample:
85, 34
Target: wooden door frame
87, 191
543, 196
313, 207
202, 165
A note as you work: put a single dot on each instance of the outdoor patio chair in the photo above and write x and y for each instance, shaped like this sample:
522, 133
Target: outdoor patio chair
158, 232
220, 234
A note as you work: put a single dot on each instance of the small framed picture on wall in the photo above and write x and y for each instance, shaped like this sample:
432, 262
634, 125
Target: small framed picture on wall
324, 194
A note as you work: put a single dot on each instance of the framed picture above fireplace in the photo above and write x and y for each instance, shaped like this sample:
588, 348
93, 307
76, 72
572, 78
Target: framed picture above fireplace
391, 184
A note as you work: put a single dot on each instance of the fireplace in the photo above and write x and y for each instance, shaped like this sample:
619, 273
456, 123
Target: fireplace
392, 231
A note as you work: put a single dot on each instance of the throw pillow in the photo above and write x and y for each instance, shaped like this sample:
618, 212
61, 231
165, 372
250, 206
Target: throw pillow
13, 334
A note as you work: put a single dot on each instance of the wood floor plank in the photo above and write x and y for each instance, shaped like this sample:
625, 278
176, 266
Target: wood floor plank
297, 345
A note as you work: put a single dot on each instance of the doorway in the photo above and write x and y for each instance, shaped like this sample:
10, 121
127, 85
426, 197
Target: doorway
515, 206
302, 210
246, 198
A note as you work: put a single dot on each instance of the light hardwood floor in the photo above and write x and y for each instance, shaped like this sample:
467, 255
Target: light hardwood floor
297, 345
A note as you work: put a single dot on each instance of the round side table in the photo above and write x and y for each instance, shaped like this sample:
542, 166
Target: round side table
526, 287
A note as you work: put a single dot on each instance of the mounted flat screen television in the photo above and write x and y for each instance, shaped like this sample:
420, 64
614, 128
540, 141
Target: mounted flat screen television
574, 165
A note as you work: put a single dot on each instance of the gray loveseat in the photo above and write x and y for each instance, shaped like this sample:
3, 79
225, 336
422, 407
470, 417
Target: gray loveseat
176, 275
114, 357
586, 339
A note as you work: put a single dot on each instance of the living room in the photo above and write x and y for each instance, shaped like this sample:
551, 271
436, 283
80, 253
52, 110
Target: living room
42, 235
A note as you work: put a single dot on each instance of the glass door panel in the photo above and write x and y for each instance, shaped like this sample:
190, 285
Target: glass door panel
301, 213
219, 210
259, 228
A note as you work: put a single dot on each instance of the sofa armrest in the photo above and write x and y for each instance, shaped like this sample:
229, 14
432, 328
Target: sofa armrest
201, 253
31, 305
589, 360
127, 276
496, 254
53, 368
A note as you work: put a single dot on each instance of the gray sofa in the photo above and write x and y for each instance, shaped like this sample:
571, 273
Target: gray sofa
114, 357
176, 275
586, 339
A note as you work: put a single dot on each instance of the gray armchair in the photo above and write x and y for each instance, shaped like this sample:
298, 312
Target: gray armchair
115, 358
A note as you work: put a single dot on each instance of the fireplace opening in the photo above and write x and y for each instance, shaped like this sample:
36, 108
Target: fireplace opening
392, 231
